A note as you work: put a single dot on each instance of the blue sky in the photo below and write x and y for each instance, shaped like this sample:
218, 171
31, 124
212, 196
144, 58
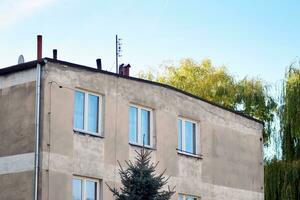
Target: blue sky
254, 38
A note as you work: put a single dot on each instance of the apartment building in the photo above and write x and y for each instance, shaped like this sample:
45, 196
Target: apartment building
89, 119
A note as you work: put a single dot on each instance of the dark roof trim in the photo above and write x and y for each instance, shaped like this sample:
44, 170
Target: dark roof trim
19, 67
32, 64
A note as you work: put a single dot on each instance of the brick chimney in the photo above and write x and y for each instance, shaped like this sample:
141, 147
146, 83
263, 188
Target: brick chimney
124, 69
39, 47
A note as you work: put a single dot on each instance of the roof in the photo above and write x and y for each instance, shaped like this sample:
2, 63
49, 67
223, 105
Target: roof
32, 64
19, 67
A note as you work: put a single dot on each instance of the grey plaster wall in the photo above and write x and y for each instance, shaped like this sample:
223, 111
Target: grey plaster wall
16, 186
17, 119
231, 147
17, 100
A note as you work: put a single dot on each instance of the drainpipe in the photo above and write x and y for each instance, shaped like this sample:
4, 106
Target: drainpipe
37, 117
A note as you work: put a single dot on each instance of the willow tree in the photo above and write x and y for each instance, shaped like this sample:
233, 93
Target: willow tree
282, 177
216, 84
290, 116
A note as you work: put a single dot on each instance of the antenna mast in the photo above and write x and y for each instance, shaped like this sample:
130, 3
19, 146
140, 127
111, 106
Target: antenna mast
118, 52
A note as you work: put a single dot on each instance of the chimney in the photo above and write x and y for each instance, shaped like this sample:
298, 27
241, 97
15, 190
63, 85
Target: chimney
55, 54
124, 69
99, 64
39, 47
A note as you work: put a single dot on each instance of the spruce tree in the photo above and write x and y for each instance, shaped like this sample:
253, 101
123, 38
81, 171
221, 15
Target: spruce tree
140, 181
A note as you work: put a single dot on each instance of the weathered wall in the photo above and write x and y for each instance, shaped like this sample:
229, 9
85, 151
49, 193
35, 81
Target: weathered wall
231, 147
16, 186
17, 119
17, 99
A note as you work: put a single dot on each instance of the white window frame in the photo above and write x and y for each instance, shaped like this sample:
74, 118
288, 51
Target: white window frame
85, 117
185, 195
83, 186
140, 139
183, 142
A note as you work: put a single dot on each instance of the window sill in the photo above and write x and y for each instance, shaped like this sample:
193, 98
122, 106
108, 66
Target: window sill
83, 132
141, 146
198, 156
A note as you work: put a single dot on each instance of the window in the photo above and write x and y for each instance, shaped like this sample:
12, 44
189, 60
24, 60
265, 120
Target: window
140, 126
87, 112
85, 189
187, 136
187, 197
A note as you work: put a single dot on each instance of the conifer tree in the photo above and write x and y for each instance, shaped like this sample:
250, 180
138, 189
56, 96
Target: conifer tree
140, 181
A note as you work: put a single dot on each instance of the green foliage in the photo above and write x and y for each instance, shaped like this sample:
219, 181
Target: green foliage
251, 96
254, 96
140, 182
290, 115
282, 180
215, 84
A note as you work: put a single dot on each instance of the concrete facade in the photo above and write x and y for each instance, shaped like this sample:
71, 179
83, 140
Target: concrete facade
17, 99
231, 145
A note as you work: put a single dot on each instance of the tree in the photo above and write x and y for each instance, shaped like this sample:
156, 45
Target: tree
290, 115
282, 180
282, 177
140, 182
249, 96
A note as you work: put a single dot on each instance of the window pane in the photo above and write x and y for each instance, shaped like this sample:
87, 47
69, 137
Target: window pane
79, 110
145, 126
190, 198
179, 126
180, 197
190, 137
194, 138
91, 190
133, 124
93, 113
77, 189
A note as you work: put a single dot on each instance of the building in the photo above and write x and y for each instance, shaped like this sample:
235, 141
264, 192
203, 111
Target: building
90, 119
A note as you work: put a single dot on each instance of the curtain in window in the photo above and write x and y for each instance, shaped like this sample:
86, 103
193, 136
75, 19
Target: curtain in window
77, 189
93, 113
145, 127
190, 137
91, 190
133, 124
179, 134
79, 110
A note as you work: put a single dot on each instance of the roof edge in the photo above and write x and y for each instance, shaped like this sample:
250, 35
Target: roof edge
31, 64
20, 67
154, 83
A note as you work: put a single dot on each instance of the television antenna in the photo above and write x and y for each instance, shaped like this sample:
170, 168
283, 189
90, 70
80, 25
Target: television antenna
118, 52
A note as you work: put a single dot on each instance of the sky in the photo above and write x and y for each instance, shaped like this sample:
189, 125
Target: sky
252, 38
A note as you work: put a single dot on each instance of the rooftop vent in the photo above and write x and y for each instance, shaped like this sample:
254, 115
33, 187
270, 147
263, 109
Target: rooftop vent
99, 64
55, 54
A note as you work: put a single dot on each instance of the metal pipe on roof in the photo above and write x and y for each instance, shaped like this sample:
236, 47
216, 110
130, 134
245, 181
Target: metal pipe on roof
99, 64
55, 54
39, 47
